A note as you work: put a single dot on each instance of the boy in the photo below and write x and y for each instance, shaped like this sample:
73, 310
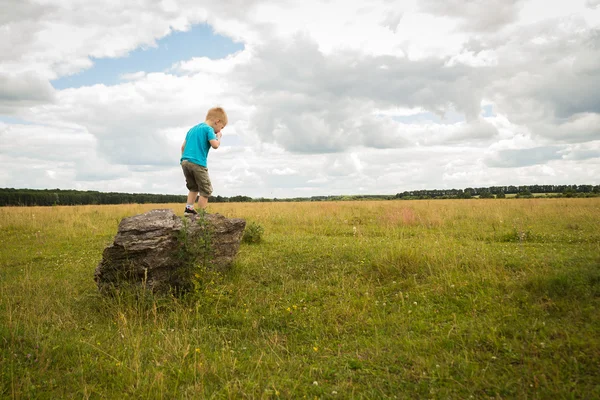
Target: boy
194, 152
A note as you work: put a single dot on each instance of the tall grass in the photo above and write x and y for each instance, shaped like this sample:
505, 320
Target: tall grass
397, 299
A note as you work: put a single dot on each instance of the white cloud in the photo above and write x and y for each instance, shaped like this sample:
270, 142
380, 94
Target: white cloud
284, 171
524, 157
476, 15
22, 90
593, 4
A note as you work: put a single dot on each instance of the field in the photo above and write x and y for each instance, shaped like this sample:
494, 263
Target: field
367, 300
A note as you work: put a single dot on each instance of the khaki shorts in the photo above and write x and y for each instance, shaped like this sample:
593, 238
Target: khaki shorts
196, 178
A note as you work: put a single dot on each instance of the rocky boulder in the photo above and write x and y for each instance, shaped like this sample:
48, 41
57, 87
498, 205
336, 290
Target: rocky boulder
162, 252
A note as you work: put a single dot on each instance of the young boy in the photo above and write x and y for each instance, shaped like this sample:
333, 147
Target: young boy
194, 152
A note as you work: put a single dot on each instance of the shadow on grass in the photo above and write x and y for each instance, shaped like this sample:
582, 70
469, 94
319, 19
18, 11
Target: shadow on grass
575, 284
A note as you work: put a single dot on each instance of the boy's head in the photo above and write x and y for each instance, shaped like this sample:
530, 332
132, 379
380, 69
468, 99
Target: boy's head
217, 118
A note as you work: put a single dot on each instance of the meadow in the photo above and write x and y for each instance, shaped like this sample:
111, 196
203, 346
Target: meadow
350, 300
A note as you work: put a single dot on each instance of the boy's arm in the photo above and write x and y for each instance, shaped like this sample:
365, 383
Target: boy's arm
182, 147
215, 143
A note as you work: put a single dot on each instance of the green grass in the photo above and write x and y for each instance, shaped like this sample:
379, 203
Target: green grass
397, 299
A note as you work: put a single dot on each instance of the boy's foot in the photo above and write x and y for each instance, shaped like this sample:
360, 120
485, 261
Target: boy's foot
190, 211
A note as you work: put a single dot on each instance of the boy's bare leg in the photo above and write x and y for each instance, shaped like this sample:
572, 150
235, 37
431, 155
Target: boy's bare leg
192, 198
202, 202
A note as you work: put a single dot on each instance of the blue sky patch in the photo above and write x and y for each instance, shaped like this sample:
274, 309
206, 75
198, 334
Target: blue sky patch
487, 111
14, 121
199, 41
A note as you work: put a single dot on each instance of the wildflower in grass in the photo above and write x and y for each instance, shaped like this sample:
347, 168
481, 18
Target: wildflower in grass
197, 350
315, 383
315, 348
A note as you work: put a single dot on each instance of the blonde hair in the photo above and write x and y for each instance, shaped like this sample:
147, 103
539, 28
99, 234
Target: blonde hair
217, 113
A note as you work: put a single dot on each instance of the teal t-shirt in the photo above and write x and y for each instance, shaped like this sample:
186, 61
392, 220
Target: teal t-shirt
197, 144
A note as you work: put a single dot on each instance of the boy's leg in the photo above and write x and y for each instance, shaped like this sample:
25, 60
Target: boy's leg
202, 185
202, 202
191, 199
190, 183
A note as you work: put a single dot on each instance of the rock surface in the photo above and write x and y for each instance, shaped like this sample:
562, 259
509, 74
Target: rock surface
161, 252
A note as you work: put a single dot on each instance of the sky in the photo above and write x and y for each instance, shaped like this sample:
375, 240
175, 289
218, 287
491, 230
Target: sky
324, 97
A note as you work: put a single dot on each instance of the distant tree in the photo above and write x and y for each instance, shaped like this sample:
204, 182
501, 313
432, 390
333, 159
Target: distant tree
525, 193
569, 192
466, 194
500, 195
240, 199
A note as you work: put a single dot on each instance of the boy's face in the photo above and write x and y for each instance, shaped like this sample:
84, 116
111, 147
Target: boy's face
219, 125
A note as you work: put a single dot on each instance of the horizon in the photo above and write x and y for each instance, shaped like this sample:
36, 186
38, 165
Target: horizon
312, 196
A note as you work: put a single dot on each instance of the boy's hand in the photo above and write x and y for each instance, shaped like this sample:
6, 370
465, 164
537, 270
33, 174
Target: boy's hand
219, 134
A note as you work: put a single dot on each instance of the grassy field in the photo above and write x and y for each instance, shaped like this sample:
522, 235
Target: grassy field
367, 300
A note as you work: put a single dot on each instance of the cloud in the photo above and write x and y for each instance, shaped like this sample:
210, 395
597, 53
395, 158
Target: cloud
35, 142
476, 130
93, 169
309, 101
544, 90
592, 4
523, 157
20, 22
474, 133
476, 15
23, 89
133, 122
284, 171
60, 39
579, 152
575, 129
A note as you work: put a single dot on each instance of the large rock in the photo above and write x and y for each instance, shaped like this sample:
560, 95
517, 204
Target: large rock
162, 252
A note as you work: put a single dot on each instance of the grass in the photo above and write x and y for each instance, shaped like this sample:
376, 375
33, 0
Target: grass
396, 299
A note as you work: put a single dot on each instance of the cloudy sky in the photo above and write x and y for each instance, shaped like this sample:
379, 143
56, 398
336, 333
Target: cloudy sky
324, 97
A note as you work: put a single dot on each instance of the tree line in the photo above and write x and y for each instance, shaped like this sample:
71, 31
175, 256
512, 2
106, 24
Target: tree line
502, 191
50, 197
55, 197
